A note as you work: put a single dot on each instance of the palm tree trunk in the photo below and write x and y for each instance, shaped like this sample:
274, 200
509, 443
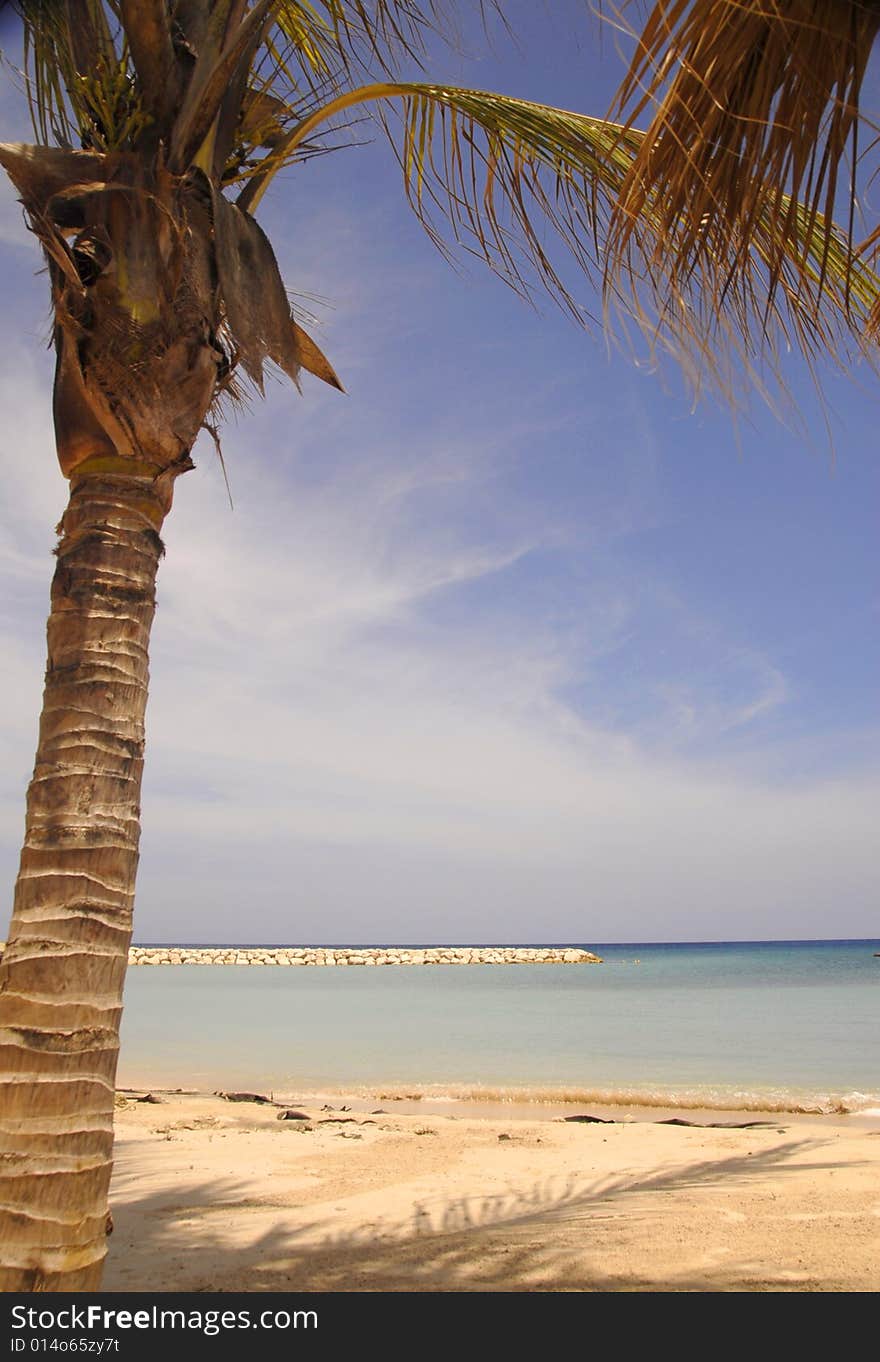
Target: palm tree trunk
62, 974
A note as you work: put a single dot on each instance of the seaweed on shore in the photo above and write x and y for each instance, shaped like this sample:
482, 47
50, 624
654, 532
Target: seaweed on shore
585, 1119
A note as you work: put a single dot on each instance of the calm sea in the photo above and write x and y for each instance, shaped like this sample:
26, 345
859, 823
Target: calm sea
760, 1025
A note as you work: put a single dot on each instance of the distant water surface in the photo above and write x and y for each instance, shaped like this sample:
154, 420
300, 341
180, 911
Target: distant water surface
763, 1025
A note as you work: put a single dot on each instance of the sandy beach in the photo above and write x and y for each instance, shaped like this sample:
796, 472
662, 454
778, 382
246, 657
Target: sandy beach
212, 1195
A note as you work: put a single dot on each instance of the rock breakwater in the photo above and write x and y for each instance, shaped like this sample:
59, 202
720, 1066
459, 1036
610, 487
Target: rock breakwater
364, 956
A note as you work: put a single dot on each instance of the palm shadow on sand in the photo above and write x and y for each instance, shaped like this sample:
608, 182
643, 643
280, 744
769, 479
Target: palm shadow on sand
553, 1236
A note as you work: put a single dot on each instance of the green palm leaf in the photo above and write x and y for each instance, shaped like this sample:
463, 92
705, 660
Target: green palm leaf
494, 168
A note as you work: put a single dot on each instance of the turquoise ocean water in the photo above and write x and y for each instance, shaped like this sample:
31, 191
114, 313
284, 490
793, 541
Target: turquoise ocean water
758, 1025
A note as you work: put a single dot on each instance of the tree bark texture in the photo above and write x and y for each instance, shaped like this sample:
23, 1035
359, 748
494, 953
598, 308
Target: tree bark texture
62, 973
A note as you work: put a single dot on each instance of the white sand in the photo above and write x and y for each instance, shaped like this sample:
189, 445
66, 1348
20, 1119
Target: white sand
214, 1196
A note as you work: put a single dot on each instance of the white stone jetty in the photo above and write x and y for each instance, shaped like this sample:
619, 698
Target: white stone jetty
362, 955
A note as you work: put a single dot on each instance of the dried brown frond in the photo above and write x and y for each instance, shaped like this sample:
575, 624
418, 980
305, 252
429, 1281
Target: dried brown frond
754, 110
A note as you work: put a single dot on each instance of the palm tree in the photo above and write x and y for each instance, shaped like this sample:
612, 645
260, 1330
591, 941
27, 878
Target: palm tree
159, 125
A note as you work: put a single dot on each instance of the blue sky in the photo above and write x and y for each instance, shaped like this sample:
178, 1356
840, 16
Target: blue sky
508, 643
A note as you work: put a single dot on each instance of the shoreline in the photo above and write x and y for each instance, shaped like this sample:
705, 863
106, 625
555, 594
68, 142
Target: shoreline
508, 1103
213, 1195
529, 1101
512, 1107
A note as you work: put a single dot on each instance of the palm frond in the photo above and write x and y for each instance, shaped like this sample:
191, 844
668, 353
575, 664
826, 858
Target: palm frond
492, 167
733, 330
377, 34
754, 106
869, 251
496, 173
55, 57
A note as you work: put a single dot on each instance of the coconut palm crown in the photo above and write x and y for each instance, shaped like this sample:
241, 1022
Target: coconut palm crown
159, 125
